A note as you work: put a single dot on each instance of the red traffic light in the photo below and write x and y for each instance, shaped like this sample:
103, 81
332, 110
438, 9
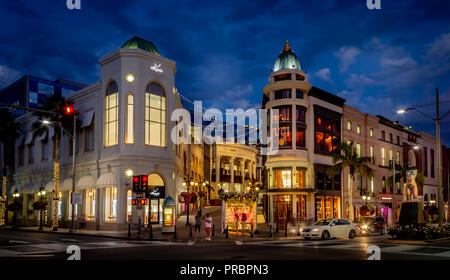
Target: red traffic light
136, 179
144, 178
68, 110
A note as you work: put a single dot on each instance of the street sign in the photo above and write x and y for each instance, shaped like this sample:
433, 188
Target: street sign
76, 198
138, 195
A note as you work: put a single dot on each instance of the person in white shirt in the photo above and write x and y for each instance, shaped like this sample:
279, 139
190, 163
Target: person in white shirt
208, 225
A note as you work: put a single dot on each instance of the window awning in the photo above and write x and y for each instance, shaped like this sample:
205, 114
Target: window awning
50, 186
86, 182
38, 185
87, 119
107, 180
14, 188
29, 138
66, 184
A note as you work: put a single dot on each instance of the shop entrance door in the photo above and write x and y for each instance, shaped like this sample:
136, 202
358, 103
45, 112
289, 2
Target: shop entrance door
281, 215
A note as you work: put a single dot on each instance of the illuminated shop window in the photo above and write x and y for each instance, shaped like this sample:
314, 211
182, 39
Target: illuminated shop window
110, 204
155, 115
282, 178
111, 115
129, 135
90, 204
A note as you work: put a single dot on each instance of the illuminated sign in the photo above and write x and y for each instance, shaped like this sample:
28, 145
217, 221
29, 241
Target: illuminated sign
387, 198
156, 68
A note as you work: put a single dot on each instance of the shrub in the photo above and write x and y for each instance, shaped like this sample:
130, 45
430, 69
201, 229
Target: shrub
412, 232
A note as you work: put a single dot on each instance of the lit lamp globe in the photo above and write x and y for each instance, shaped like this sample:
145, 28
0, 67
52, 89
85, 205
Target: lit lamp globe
129, 77
129, 172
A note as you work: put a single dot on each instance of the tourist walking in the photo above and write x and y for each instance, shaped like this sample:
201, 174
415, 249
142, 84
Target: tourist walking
198, 221
236, 222
208, 225
244, 222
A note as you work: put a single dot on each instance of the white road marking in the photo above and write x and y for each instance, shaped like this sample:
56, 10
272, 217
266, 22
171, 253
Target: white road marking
239, 243
19, 242
190, 242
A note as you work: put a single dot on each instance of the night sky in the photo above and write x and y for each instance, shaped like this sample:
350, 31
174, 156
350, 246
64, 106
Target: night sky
379, 60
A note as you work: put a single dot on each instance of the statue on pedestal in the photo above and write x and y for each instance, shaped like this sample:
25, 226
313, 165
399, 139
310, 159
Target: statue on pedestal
410, 190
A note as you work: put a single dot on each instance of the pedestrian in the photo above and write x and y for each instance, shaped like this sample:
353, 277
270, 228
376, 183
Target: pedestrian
198, 221
208, 225
236, 222
244, 222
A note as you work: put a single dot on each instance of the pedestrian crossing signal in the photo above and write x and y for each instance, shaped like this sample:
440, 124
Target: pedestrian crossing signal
140, 183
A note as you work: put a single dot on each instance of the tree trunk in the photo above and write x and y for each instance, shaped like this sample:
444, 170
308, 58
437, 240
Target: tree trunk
56, 181
350, 199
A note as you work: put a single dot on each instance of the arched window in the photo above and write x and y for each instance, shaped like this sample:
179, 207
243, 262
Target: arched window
111, 114
129, 134
155, 115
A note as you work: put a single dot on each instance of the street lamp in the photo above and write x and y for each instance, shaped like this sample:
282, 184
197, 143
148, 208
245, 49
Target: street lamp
16, 196
437, 120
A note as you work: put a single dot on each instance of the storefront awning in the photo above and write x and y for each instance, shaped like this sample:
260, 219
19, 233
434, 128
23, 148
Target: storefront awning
107, 180
14, 188
50, 186
66, 185
37, 186
86, 182
87, 119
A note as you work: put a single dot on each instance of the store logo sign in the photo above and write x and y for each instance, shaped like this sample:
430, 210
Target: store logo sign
73, 4
156, 68
155, 193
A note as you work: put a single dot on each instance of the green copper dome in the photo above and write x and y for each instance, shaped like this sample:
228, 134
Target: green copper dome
139, 43
287, 59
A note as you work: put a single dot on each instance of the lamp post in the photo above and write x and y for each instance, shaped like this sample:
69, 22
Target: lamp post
129, 173
437, 120
366, 196
16, 196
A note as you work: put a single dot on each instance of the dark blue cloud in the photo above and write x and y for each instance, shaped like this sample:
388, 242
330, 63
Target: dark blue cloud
225, 49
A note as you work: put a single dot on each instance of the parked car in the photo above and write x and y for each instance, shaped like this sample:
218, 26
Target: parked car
369, 225
330, 228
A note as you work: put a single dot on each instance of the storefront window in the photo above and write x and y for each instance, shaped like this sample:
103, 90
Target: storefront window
300, 137
337, 207
60, 205
90, 204
301, 208
155, 115
327, 207
111, 115
283, 208
110, 204
284, 134
129, 205
282, 178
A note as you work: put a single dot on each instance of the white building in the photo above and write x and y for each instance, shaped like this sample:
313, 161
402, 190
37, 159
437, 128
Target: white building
125, 124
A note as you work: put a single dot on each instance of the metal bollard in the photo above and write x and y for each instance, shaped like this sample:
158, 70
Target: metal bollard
139, 226
298, 230
213, 230
226, 232
270, 230
251, 233
129, 230
151, 231
286, 229
190, 230
175, 233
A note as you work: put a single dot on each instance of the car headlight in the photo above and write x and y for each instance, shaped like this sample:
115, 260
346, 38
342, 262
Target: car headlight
301, 229
316, 229
364, 226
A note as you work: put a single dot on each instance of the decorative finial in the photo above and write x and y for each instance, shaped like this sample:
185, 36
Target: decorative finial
287, 47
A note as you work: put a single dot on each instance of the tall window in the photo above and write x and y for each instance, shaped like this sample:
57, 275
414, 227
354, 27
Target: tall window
383, 185
300, 177
372, 185
21, 152
284, 132
111, 115
349, 125
391, 157
383, 156
372, 154
397, 159
155, 115
425, 158
299, 94
390, 138
358, 129
129, 205
371, 132
301, 126
44, 149
90, 204
432, 163
358, 150
383, 135
89, 136
110, 204
129, 135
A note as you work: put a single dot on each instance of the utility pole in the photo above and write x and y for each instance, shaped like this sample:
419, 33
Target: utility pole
394, 206
438, 144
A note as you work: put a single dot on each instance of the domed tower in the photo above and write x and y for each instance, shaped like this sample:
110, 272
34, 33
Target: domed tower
289, 181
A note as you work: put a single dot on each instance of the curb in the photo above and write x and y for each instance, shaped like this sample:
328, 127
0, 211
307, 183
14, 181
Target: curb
416, 242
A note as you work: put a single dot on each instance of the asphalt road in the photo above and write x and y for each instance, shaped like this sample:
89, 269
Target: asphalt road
17, 245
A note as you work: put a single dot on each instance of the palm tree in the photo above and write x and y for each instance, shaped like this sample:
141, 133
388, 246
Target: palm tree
401, 173
347, 157
9, 131
55, 105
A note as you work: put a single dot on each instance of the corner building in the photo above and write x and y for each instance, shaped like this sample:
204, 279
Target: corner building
297, 189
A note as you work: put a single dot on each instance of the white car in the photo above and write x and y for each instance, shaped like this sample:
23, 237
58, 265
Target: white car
330, 228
